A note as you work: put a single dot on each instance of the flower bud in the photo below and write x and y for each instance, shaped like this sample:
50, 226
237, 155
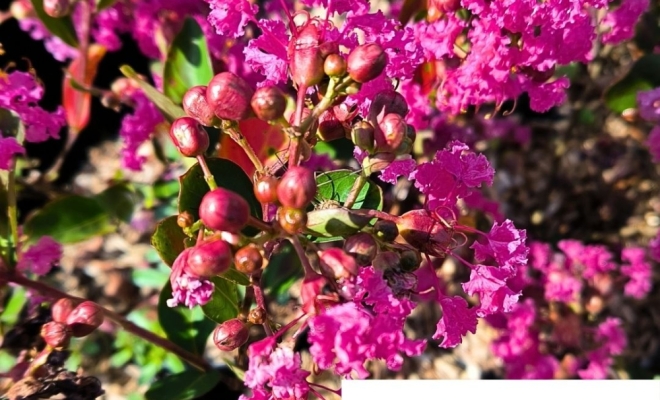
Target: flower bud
362, 247
265, 189
386, 231
386, 260
195, 105
410, 260
424, 233
335, 263
362, 135
20, 10
61, 309
229, 96
55, 334
230, 335
297, 187
387, 102
224, 210
268, 103
377, 162
328, 48
248, 259
85, 318
330, 128
185, 220
334, 66
209, 259
366, 62
305, 61
257, 316
292, 220
57, 8
391, 133
189, 137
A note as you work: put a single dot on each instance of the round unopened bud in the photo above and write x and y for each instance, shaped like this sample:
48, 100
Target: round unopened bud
85, 318
362, 246
224, 210
185, 220
229, 96
335, 263
195, 105
230, 335
20, 10
61, 309
386, 231
297, 187
257, 316
330, 128
410, 260
248, 259
268, 103
424, 233
362, 135
292, 220
305, 60
327, 48
391, 133
189, 137
209, 259
377, 162
387, 102
386, 260
334, 66
55, 334
265, 189
57, 8
366, 62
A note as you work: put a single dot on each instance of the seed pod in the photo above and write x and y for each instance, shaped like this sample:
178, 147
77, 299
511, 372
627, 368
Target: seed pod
330, 128
230, 335
362, 135
248, 259
229, 96
224, 210
424, 233
268, 103
335, 263
292, 220
366, 62
362, 247
55, 334
189, 137
185, 220
265, 189
196, 106
85, 318
377, 162
297, 187
61, 309
387, 260
257, 316
57, 8
410, 260
334, 66
386, 231
387, 102
305, 61
209, 259
391, 133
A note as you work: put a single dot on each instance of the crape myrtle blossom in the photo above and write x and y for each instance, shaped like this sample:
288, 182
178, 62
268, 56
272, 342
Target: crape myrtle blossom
188, 289
648, 104
9, 147
40, 257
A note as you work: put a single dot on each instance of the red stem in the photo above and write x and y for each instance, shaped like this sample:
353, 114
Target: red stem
261, 303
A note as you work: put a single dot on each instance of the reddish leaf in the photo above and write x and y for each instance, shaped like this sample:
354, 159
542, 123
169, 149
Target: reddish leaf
268, 142
77, 104
426, 76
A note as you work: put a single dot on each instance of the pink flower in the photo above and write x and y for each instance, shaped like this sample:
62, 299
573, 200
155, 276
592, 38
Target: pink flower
490, 284
505, 245
8, 148
621, 20
648, 103
40, 257
188, 289
654, 248
55, 46
561, 285
340, 6
457, 320
403, 167
638, 270
267, 54
136, 128
229, 17
653, 142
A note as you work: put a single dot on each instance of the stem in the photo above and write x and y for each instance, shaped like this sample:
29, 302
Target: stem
48, 291
377, 214
337, 392
261, 225
238, 137
261, 302
12, 214
294, 146
355, 190
309, 271
208, 176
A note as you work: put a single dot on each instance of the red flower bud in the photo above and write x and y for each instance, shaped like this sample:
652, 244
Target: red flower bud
229, 96
265, 189
424, 233
224, 210
291, 220
209, 259
330, 128
386, 231
386, 260
268, 103
335, 263
362, 135
57, 8
85, 318
305, 60
377, 162
61, 309
362, 247
366, 62
189, 137
391, 133
248, 259
230, 335
55, 334
328, 48
335, 66
297, 187
387, 102
195, 105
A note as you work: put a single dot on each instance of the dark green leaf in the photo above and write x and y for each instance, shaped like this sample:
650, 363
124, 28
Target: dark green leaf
283, 270
183, 326
168, 239
224, 303
169, 110
119, 201
643, 75
103, 4
166, 189
334, 222
60, 27
234, 276
69, 219
227, 175
240, 374
188, 62
186, 385
12, 310
336, 185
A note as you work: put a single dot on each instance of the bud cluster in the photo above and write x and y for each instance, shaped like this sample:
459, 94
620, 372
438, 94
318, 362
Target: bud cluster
71, 319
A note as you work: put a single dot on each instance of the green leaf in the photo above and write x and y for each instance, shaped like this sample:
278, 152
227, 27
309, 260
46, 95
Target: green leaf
69, 219
334, 223
186, 385
60, 27
166, 106
119, 201
103, 4
188, 62
227, 175
283, 270
224, 302
149, 277
240, 374
643, 75
183, 326
12, 309
336, 185
168, 240
232, 275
